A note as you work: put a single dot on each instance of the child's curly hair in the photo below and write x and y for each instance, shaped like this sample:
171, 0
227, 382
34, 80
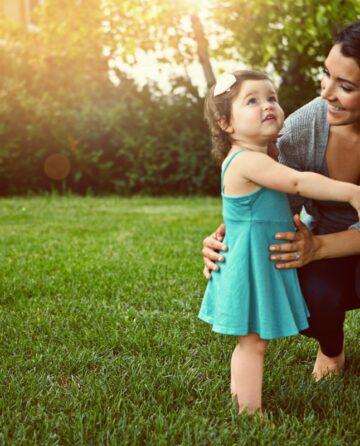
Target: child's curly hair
218, 108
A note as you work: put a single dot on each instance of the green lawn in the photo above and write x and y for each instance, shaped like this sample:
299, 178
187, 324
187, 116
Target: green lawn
101, 345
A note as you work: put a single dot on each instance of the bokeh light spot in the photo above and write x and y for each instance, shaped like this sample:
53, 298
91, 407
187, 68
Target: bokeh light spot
57, 166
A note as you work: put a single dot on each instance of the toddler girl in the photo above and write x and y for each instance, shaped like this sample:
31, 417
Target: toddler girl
249, 297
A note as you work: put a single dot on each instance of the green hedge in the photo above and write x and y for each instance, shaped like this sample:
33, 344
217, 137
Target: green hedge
124, 141
117, 139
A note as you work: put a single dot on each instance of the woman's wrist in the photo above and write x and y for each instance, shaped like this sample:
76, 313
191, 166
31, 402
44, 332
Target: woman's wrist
318, 248
339, 244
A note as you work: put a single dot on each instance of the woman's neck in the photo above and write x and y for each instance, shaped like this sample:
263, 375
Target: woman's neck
351, 131
354, 130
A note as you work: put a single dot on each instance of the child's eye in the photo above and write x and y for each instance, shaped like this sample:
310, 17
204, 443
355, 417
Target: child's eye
326, 72
251, 101
272, 99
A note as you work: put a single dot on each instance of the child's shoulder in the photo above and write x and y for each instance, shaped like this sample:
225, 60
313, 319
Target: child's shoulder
243, 159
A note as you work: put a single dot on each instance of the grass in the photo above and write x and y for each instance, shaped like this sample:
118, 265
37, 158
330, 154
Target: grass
101, 345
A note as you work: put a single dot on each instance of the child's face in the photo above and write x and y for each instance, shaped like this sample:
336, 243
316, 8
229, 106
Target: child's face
256, 115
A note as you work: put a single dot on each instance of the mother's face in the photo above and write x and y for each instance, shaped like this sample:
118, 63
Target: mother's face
341, 88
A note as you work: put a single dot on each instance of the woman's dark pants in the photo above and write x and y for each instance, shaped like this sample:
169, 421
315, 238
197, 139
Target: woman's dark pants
330, 287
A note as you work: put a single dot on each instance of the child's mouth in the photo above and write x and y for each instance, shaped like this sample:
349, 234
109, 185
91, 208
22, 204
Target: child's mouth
270, 118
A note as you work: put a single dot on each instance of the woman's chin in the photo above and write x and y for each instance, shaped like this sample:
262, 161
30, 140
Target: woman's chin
338, 118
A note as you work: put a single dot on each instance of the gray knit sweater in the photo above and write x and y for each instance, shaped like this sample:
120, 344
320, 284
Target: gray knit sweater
302, 146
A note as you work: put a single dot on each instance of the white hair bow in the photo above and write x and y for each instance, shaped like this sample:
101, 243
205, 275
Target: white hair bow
224, 83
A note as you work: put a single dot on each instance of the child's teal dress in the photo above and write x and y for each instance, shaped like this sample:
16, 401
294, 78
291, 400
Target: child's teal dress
249, 294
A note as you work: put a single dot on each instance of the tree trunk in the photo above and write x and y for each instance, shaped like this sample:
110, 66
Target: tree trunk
203, 54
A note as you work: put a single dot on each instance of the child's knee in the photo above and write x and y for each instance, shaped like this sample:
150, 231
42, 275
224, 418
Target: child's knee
254, 342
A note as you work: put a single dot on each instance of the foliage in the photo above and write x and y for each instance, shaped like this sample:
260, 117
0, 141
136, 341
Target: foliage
56, 97
101, 345
171, 31
293, 36
150, 25
127, 142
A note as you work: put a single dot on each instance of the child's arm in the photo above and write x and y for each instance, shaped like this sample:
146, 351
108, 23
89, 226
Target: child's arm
263, 170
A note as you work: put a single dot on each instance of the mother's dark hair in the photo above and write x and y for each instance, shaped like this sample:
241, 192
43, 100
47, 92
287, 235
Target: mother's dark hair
349, 41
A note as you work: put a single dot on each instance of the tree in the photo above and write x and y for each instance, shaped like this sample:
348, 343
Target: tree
172, 31
58, 106
291, 37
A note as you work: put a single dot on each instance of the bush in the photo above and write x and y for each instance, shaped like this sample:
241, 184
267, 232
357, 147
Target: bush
117, 139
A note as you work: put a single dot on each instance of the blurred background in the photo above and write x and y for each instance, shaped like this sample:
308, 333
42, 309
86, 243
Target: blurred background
106, 96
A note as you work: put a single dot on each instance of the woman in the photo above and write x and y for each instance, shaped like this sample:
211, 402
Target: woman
323, 136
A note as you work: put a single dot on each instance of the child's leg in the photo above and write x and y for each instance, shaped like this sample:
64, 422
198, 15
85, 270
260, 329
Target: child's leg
247, 365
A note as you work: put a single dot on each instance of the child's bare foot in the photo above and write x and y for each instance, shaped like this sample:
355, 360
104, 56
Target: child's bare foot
244, 409
326, 366
235, 401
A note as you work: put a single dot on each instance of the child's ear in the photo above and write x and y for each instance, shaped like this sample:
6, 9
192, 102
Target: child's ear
225, 126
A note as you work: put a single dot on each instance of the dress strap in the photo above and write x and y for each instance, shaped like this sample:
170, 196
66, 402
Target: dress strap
226, 165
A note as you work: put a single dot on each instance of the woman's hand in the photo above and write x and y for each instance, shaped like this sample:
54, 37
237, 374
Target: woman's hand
300, 250
211, 247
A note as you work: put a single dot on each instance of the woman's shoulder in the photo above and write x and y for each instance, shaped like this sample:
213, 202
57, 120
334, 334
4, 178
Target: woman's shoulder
304, 136
307, 124
314, 110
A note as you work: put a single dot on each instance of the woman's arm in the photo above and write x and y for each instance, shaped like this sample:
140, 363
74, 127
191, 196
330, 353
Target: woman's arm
310, 247
339, 244
313, 247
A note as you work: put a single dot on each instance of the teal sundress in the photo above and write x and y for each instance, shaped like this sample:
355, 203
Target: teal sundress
249, 294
